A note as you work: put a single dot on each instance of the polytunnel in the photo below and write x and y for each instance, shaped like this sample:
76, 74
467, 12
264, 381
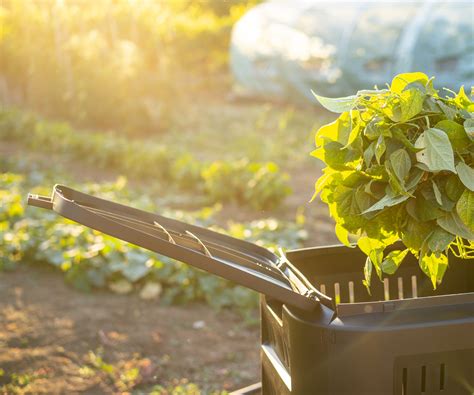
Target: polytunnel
286, 48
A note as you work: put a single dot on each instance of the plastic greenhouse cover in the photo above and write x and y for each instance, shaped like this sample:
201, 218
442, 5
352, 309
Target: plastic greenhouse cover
285, 48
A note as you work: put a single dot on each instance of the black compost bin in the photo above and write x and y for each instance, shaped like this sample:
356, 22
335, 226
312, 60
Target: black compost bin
322, 333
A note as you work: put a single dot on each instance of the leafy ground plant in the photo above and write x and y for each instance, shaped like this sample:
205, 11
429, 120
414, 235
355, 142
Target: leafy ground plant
255, 184
90, 259
399, 165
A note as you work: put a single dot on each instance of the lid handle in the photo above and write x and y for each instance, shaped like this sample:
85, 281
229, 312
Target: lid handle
40, 201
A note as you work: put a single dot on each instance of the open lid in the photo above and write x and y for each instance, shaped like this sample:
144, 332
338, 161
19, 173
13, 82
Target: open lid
242, 262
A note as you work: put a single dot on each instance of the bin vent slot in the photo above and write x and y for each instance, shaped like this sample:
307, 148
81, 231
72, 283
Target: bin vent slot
423, 378
442, 372
450, 372
404, 381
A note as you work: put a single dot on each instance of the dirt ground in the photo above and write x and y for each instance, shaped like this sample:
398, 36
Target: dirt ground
56, 340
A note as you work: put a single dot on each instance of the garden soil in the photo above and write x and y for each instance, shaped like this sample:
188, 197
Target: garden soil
57, 340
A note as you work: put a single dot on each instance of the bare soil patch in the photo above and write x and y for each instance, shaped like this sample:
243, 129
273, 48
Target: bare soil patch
56, 340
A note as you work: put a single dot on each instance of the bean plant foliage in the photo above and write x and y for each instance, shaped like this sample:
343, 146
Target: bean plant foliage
399, 166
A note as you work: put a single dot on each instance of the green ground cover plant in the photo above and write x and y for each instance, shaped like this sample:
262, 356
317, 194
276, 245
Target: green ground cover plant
259, 185
399, 165
90, 259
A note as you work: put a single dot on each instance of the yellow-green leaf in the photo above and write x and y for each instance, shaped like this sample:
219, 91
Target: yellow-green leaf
393, 260
411, 104
465, 209
400, 82
434, 266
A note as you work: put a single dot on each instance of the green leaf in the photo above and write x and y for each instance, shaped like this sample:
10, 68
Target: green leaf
439, 240
386, 201
377, 127
437, 193
337, 131
411, 104
427, 210
401, 164
393, 260
337, 105
401, 136
449, 111
369, 154
368, 244
469, 128
437, 154
465, 209
455, 225
380, 148
466, 175
396, 185
363, 199
373, 248
455, 132
454, 187
415, 233
434, 265
343, 235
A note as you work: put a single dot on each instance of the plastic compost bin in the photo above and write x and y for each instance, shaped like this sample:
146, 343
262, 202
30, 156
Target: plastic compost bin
321, 332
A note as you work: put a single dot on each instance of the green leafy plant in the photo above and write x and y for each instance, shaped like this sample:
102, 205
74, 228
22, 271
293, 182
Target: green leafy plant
255, 184
90, 259
399, 165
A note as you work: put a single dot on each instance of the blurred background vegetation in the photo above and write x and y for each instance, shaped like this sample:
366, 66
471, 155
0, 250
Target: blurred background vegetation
134, 101
130, 66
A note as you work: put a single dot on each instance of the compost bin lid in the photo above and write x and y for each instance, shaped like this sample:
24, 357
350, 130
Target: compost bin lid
237, 260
